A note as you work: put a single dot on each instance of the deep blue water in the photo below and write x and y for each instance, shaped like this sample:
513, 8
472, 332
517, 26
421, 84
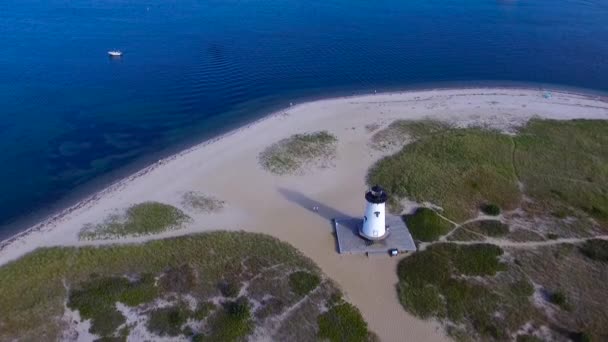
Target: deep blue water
70, 115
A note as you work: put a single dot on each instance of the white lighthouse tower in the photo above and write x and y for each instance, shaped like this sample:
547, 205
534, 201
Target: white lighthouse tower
374, 222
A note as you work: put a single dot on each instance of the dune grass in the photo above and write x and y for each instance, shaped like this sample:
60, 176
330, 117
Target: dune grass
91, 279
458, 170
564, 164
442, 282
298, 152
139, 219
425, 225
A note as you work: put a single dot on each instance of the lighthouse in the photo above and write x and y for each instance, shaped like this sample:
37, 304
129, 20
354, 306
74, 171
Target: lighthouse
374, 222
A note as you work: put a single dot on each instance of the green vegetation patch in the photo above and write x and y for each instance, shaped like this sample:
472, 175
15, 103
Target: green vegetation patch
491, 228
303, 282
140, 219
491, 209
92, 280
201, 202
457, 169
564, 164
573, 282
426, 225
437, 283
559, 298
343, 323
595, 249
169, 321
232, 323
96, 299
299, 151
400, 132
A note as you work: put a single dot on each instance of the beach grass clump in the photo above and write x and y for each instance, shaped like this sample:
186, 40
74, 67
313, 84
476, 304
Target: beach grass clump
564, 165
302, 282
595, 249
399, 132
168, 321
456, 169
201, 202
299, 152
140, 219
425, 225
437, 283
93, 280
343, 323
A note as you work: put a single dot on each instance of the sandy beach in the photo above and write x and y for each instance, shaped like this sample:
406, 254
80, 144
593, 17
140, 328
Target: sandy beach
227, 168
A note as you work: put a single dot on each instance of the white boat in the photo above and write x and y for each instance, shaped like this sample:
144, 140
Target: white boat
115, 53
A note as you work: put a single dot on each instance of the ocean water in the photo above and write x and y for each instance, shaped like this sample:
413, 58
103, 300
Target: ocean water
71, 118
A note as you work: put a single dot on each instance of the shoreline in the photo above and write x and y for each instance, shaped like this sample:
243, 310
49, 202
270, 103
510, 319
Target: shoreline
88, 198
227, 167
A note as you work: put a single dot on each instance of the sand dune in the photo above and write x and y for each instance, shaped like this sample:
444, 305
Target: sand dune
259, 201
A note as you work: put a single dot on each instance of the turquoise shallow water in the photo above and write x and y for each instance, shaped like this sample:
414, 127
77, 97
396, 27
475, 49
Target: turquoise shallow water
72, 118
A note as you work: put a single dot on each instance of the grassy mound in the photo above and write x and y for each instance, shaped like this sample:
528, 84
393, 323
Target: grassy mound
298, 152
458, 170
140, 219
92, 280
426, 225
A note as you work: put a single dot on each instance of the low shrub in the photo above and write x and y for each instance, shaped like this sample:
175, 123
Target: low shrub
425, 225
230, 288
595, 249
302, 282
168, 321
231, 323
491, 209
343, 323
559, 298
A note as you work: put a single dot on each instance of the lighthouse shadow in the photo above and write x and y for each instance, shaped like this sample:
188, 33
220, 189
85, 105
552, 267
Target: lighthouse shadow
312, 205
316, 207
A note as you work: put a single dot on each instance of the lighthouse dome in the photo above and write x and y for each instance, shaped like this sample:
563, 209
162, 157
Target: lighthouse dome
376, 195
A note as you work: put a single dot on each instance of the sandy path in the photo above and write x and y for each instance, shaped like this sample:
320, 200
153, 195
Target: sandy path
281, 206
